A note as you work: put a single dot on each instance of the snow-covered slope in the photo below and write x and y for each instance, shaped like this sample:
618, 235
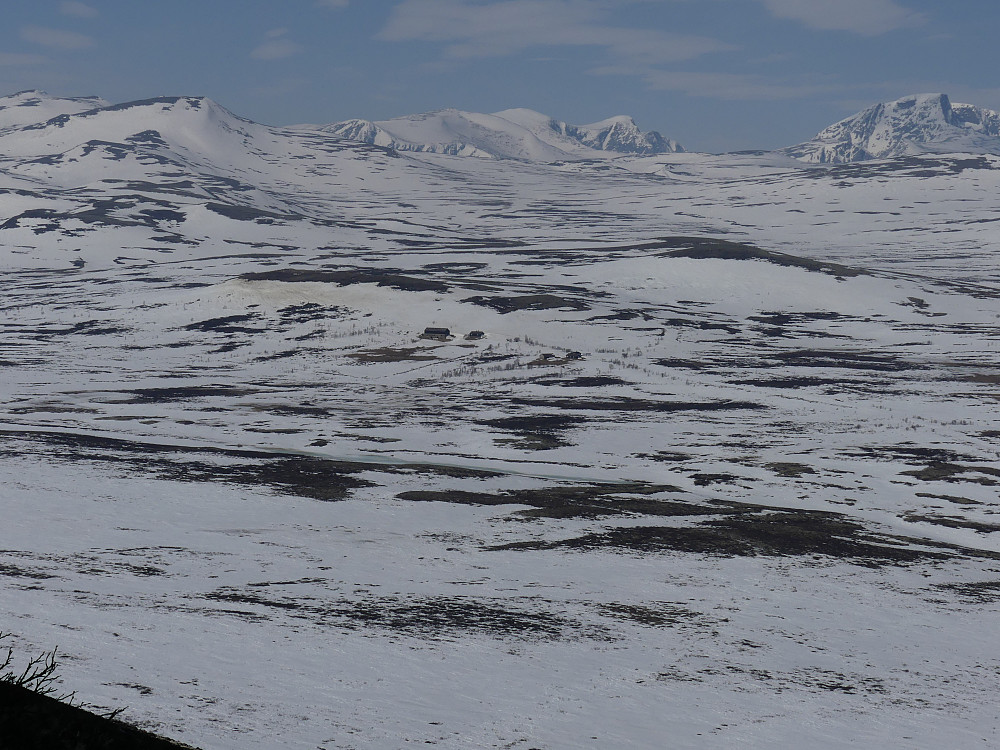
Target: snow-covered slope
911, 125
196, 125
510, 134
28, 107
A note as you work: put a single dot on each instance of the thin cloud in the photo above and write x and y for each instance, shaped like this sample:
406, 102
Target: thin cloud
867, 17
276, 46
77, 9
333, 3
56, 38
726, 86
508, 27
281, 88
774, 57
14, 59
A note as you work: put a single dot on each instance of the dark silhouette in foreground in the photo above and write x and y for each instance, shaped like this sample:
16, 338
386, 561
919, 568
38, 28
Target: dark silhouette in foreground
30, 721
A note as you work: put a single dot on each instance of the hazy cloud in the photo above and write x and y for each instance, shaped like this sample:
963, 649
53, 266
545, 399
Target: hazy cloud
728, 86
276, 46
868, 17
507, 27
78, 9
56, 38
333, 3
13, 59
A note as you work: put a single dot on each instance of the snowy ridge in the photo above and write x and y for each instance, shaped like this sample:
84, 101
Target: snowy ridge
196, 124
158, 139
510, 134
28, 107
912, 125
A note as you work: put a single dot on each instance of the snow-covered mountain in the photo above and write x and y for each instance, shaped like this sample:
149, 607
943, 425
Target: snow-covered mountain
912, 125
509, 134
194, 124
27, 107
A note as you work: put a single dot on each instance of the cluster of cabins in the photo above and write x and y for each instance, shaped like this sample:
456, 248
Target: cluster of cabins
444, 334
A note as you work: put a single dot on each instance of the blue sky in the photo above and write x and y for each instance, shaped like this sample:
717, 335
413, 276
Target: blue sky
714, 74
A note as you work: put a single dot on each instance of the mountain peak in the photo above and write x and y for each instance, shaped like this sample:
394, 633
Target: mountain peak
620, 120
523, 112
912, 124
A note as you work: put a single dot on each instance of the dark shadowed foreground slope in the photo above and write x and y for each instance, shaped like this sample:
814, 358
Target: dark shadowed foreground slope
30, 721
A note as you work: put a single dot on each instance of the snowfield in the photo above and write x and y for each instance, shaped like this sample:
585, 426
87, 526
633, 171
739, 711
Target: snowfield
721, 470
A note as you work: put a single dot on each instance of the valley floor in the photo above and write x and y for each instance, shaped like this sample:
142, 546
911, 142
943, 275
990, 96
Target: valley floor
697, 482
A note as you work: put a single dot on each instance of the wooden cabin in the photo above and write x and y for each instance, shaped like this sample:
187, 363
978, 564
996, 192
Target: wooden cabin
437, 334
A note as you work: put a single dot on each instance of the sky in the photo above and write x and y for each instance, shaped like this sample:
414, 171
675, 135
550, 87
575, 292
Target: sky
716, 75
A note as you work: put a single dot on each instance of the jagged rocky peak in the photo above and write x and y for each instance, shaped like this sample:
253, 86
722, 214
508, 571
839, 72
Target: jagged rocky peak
621, 134
508, 134
357, 130
911, 125
975, 118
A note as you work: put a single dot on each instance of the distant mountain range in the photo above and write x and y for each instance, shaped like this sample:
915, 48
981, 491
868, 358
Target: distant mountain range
911, 125
924, 123
510, 134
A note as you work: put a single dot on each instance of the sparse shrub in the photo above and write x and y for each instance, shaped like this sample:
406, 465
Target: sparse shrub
39, 675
